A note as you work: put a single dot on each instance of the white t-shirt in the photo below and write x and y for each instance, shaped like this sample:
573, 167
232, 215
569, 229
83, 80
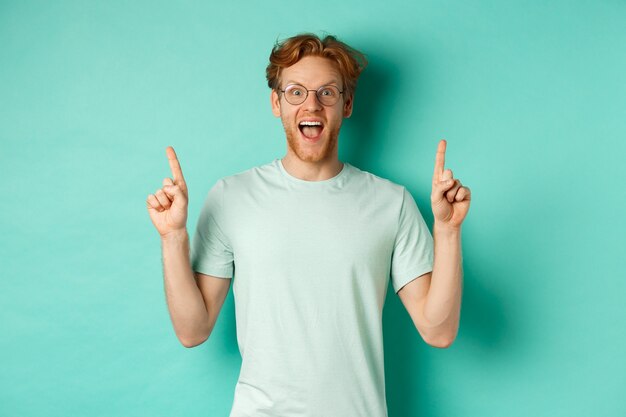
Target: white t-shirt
311, 262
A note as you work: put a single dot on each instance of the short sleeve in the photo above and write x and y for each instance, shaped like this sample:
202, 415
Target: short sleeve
211, 252
413, 248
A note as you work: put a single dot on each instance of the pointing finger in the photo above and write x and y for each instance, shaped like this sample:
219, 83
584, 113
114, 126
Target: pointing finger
440, 160
175, 166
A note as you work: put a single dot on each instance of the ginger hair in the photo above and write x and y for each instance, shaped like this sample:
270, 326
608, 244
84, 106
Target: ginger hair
348, 60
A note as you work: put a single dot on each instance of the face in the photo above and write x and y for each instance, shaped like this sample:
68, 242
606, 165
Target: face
315, 143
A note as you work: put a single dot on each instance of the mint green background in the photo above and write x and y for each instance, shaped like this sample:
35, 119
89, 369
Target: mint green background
529, 95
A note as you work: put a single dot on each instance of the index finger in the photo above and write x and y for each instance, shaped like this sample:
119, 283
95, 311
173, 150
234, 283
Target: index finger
440, 160
175, 166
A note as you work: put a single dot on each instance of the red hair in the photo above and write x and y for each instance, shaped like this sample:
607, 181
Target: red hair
349, 61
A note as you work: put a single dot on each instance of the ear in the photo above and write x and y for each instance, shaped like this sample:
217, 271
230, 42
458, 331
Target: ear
347, 106
275, 100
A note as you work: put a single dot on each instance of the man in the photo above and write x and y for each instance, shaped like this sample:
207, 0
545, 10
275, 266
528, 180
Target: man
311, 242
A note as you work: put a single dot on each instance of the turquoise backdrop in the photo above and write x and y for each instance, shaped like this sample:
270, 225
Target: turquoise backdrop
529, 94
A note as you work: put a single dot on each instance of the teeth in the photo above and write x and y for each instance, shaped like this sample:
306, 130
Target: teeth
310, 123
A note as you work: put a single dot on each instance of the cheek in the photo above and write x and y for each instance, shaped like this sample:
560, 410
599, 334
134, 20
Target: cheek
336, 120
288, 121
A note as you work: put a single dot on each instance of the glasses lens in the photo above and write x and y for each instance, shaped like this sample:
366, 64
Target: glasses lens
295, 94
328, 95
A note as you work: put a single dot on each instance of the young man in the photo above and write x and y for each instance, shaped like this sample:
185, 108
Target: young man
311, 242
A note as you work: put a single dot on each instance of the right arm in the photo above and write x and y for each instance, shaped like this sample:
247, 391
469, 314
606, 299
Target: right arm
194, 300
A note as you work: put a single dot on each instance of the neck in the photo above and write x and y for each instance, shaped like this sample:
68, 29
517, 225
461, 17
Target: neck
312, 171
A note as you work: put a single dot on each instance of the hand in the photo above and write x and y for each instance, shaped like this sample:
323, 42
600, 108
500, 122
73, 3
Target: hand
168, 206
449, 199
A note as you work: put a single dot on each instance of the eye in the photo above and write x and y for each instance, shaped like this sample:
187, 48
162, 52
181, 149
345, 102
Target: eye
327, 92
295, 90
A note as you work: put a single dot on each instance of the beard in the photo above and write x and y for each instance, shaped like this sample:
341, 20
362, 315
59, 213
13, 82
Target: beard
313, 153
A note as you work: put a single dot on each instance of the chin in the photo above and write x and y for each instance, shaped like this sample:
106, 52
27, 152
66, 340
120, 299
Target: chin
312, 154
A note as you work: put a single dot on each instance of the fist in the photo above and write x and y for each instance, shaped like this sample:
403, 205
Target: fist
449, 199
167, 207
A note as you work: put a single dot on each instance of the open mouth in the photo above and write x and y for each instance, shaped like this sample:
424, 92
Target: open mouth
311, 129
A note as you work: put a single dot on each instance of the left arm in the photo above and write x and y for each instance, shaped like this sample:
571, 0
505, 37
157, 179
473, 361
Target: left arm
434, 300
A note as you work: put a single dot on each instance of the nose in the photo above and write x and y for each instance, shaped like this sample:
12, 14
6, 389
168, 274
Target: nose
312, 103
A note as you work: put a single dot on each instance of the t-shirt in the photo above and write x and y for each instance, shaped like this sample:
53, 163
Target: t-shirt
311, 263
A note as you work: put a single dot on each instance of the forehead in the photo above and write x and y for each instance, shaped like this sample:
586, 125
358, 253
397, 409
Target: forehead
312, 71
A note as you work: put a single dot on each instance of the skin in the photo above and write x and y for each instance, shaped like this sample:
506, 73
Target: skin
167, 207
194, 300
450, 200
434, 300
306, 160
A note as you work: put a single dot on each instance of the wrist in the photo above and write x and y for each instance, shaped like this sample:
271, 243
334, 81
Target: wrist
177, 235
441, 228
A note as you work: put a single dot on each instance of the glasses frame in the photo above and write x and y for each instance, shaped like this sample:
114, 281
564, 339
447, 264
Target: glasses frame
307, 94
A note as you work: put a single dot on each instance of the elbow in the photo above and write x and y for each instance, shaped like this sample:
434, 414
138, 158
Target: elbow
441, 336
192, 341
442, 343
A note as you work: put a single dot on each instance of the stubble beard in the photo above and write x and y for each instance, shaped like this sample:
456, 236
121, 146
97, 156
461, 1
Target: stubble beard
326, 151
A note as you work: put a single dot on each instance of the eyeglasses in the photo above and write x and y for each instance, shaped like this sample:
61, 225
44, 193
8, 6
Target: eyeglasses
296, 94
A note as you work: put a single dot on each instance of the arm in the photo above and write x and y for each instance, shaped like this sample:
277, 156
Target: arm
434, 300
194, 301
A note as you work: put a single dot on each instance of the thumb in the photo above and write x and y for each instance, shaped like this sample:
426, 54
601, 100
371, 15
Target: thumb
440, 188
174, 192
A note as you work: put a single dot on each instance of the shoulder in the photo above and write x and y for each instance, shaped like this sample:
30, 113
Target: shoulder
246, 179
377, 184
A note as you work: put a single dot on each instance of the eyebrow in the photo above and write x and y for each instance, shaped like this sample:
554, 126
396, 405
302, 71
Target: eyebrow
323, 84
